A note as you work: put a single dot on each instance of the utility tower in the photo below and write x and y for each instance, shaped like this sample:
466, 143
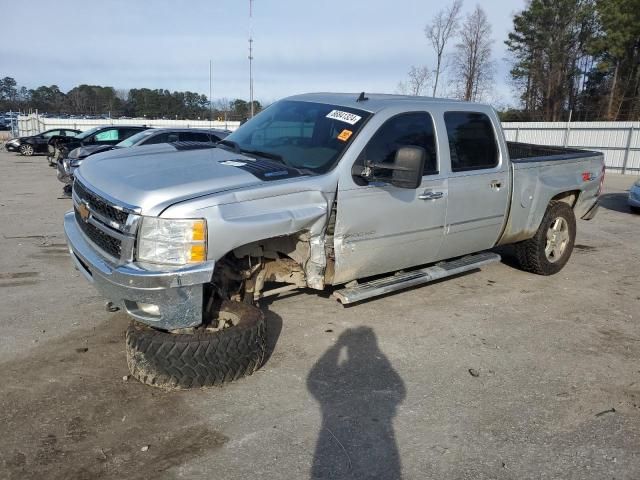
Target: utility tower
251, 57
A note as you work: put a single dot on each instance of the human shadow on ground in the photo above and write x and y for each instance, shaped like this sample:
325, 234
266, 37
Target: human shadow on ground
358, 391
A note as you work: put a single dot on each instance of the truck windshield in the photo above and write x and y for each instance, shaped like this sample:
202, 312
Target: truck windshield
303, 135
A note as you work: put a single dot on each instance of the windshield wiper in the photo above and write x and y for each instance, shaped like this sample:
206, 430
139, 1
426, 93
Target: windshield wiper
230, 143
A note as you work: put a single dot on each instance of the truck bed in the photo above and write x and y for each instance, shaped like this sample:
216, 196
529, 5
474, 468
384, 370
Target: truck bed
540, 173
529, 152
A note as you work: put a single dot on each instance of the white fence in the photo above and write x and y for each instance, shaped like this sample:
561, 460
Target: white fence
618, 141
32, 124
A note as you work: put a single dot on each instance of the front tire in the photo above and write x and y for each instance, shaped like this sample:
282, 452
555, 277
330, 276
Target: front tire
201, 359
26, 150
634, 209
548, 251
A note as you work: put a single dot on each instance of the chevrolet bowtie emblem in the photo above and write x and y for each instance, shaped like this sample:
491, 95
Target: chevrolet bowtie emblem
83, 211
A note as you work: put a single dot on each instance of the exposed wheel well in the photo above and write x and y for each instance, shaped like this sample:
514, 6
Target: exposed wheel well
570, 198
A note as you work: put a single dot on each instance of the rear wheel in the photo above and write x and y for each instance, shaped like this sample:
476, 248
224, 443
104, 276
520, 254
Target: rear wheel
550, 248
200, 357
26, 150
634, 209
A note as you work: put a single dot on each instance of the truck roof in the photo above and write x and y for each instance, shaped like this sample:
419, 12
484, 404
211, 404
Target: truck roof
375, 101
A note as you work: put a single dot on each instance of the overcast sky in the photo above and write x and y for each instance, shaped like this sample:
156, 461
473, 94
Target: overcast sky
300, 45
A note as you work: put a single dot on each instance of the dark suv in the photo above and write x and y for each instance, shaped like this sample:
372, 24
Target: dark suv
107, 135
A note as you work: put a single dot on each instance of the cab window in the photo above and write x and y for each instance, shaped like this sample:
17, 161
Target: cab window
472, 141
414, 129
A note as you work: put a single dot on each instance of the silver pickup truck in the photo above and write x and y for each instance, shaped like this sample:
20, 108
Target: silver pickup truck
317, 191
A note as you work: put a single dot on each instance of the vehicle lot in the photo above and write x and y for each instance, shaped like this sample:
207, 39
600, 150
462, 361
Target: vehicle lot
378, 390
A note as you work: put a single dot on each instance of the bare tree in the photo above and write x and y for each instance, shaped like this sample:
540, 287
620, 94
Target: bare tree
472, 60
122, 94
443, 26
416, 83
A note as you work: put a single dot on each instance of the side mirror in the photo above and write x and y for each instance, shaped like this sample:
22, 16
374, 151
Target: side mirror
408, 167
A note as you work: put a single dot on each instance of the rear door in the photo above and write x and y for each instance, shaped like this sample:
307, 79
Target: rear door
478, 184
381, 228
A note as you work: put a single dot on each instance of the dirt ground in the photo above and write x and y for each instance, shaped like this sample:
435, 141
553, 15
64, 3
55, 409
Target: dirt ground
497, 374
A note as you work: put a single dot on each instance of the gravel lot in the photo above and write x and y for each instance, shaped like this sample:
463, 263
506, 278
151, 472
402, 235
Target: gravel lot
497, 374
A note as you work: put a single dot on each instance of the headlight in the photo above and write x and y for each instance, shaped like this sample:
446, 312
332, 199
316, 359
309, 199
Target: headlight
170, 241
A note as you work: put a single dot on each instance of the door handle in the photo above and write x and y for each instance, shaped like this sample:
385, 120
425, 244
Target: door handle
426, 195
495, 184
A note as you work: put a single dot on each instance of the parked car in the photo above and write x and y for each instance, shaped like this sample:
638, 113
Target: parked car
317, 190
33, 144
634, 197
101, 136
104, 135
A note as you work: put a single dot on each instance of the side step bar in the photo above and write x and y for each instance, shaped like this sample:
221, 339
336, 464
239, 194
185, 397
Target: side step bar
402, 280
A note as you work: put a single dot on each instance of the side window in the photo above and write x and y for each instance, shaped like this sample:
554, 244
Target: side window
51, 133
129, 132
194, 137
107, 135
472, 141
407, 129
161, 138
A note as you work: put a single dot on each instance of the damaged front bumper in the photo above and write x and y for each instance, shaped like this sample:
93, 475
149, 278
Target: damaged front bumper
65, 171
168, 300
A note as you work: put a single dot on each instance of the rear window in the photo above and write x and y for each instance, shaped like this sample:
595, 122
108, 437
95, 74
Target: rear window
472, 141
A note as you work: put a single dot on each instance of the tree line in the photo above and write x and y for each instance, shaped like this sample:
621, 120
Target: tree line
102, 101
568, 58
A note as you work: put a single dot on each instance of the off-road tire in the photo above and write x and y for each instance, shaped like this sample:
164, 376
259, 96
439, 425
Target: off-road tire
201, 359
27, 150
531, 253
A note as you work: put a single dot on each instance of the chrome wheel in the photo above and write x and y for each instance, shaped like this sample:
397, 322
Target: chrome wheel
26, 150
557, 239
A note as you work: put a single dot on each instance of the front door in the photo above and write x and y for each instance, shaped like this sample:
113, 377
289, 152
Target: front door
381, 228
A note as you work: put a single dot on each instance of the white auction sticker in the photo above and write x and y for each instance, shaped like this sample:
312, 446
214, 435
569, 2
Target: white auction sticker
350, 118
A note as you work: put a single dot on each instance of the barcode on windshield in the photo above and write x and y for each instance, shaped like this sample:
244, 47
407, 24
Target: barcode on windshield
350, 118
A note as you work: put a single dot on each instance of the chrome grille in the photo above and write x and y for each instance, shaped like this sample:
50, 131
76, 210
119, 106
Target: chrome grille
99, 205
110, 227
109, 244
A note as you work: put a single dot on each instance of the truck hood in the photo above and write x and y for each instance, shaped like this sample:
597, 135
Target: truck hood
152, 178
